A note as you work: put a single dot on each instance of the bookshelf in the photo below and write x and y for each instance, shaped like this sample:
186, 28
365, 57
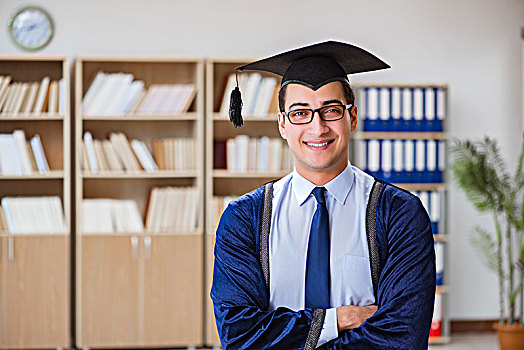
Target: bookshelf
35, 267
131, 288
222, 181
410, 120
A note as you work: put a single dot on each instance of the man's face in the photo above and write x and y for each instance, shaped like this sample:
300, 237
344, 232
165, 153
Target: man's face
320, 147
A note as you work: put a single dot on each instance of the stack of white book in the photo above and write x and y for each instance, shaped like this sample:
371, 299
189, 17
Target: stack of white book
118, 94
263, 154
31, 98
175, 153
173, 209
116, 154
259, 94
20, 157
218, 205
105, 216
32, 215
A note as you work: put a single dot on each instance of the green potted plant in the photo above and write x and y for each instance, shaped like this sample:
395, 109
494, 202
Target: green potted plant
481, 173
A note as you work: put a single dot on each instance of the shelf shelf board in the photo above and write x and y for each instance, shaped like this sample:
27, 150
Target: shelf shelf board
439, 340
441, 237
27, 235
217, 117
38, 57
442, 289
416, 135
162, 174
50, 175
190, 116
139, 59
225, 174
144, 233
422, 186
30, 117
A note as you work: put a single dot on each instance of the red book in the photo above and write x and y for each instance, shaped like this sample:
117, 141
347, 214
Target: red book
219, 154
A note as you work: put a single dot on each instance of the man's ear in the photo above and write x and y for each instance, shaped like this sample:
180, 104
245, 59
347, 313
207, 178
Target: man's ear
353, 118
282, 125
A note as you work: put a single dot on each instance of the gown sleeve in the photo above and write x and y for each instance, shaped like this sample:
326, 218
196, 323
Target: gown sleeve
406, 287
240, 297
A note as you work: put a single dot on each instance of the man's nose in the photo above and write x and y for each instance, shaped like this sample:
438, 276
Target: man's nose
318, 126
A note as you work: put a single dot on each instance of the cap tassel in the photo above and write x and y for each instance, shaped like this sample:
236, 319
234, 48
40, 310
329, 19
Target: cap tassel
235, 107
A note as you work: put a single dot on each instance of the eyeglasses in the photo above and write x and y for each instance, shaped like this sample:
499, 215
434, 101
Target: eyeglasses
327, 113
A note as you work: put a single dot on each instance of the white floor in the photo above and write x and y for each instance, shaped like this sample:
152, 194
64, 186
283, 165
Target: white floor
476, 341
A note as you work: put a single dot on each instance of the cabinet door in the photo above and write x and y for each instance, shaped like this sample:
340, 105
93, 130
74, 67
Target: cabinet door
37, 292
109, 291
173, 279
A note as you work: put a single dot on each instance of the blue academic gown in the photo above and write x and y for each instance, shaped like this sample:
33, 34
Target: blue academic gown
405, 292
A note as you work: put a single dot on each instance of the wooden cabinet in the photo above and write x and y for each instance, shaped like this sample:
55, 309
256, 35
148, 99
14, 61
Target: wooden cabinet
35, 281
142, 289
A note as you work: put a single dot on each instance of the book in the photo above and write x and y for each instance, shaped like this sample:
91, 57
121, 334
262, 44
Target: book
101, 160
52, 106
144, 156
111, 156
92, 90
62, 95
90, 151
230, 85
4, 87
41, 96
31, 98
22, 153
39, 154
436, 322
10, 161
11, 98
20, 98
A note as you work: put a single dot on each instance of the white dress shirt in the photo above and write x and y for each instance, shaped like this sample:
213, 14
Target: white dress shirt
293, 208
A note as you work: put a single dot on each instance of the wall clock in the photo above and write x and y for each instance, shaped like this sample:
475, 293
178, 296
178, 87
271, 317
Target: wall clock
31, 28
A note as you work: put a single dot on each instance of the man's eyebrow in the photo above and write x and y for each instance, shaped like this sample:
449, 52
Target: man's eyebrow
330, 102
299, 104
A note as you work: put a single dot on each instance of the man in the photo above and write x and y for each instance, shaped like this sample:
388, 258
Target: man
326, 256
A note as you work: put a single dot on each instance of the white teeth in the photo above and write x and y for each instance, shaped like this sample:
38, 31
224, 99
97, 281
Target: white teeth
317, 144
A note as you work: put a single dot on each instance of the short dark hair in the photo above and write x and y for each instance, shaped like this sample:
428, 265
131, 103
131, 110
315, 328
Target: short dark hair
348, 94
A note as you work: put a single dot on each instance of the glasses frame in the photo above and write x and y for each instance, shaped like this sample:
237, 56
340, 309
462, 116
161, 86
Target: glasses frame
346, 107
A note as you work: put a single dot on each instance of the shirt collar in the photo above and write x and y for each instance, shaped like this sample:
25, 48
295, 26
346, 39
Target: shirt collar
339, 187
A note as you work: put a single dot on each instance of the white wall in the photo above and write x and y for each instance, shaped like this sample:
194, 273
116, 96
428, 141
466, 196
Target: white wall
473, 45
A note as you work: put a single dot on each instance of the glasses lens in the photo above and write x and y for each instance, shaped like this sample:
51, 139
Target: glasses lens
332, 112
299, 116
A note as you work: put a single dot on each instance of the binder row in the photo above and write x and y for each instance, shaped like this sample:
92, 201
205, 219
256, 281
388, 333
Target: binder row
402, 108
402, 161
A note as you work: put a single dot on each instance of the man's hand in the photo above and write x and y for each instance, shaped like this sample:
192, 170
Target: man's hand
350, 316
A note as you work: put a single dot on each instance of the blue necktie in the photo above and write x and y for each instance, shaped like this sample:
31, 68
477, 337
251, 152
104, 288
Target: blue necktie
317, 265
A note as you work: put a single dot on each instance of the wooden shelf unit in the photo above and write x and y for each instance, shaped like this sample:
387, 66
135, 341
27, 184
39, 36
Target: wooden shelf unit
441, 238
35, 268
221, 182
139, 290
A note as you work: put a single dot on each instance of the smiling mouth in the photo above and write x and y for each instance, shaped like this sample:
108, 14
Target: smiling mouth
318, 144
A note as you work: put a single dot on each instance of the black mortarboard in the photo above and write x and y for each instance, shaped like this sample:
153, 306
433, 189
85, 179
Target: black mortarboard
312, 66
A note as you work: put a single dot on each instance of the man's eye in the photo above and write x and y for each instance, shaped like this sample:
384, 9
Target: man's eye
300, 113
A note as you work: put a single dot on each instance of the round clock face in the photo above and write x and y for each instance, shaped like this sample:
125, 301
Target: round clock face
31, 28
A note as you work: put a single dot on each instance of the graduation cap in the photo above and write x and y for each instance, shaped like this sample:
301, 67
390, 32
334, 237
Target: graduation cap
313, 66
